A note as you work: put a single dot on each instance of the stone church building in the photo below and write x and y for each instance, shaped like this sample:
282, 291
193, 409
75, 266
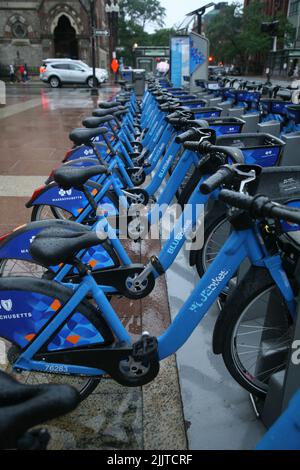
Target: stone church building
31, 31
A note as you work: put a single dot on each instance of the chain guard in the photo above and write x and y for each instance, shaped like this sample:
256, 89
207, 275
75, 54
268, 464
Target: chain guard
122, 279
141, 193
118, 360
138, 180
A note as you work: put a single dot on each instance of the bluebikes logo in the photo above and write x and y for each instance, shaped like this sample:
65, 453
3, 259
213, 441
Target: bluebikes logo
63, 192
6, 305
208, 291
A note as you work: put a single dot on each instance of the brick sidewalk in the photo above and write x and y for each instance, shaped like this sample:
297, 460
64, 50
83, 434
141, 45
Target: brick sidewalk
34, 140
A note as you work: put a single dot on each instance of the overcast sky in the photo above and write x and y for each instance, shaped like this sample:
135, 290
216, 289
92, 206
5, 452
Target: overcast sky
177, 9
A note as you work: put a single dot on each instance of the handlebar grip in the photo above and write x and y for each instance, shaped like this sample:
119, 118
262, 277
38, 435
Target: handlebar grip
286, 213
188, 135
172, 120
223, 175
239, 200
260, 206
194, 146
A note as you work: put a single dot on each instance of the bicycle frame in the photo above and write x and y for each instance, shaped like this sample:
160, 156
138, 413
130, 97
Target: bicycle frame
239, 246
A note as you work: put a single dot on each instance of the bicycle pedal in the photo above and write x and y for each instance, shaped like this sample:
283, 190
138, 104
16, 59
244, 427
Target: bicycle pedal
145, 348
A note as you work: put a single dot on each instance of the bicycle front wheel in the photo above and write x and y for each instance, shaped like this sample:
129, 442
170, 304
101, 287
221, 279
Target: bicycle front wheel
84, 385
257, 330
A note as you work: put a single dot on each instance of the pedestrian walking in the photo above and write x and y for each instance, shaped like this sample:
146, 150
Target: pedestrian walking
22, 70
26, 74
12, 76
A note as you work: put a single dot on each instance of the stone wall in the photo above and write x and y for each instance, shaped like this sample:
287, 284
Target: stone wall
27, 31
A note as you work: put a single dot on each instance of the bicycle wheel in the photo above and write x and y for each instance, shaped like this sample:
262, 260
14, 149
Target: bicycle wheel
44, 212
257, 331
18, 267
42, 300
216, 231
84, 385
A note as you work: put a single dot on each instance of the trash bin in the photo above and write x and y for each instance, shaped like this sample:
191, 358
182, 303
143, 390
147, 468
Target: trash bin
127, 75
139, 78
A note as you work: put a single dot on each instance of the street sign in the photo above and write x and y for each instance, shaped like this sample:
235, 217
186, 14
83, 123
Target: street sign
120, 49
101, 32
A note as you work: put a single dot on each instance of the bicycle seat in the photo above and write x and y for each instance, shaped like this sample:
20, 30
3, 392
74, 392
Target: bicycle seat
53, 246
93, 121
112, 111
24, 406
109, 104
84, 136
120, 112
103, 112
68, 177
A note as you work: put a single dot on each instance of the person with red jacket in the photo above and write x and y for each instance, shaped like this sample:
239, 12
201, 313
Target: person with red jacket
22, 73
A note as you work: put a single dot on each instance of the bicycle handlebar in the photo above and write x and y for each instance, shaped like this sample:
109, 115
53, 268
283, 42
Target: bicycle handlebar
206, 147
222, 176
191, 134
260, 206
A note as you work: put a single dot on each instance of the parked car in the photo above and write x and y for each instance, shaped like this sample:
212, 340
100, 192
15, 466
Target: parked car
58, 72
216, 71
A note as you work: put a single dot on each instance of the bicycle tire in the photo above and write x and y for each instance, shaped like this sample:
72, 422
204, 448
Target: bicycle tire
256, 282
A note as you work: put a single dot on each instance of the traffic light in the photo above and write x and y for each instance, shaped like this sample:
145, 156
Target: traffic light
270, 28
210, 59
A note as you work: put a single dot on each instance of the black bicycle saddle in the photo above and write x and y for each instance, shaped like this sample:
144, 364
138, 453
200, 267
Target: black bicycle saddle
104, 112
24, 406
85, 136
68, 177
109, 104
53, 246
93, 121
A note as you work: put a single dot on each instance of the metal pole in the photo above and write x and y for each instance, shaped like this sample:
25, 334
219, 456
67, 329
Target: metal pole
297, 29
199, 25
94, 90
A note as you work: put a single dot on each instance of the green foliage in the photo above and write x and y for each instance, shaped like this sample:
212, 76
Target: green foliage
142, 12
162, 37
223, 31
135, 14
235, 34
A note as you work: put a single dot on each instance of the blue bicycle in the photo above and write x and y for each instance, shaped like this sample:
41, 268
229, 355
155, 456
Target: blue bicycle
57, 330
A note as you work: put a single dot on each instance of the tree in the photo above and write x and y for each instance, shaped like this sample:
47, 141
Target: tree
142, 12
134, 16
235, 35
162, 37
223, 32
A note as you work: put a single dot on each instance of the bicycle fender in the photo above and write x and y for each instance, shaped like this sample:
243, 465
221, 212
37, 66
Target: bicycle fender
16, 245
29, 303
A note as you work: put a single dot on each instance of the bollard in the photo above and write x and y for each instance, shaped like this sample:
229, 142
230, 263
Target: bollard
2, 93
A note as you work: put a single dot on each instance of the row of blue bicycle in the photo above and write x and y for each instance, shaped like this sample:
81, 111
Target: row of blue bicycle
59, 272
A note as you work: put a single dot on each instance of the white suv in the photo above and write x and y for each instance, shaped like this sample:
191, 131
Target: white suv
58, 72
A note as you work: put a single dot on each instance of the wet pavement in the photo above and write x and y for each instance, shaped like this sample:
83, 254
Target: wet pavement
34, 138
217, 410
207, 408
